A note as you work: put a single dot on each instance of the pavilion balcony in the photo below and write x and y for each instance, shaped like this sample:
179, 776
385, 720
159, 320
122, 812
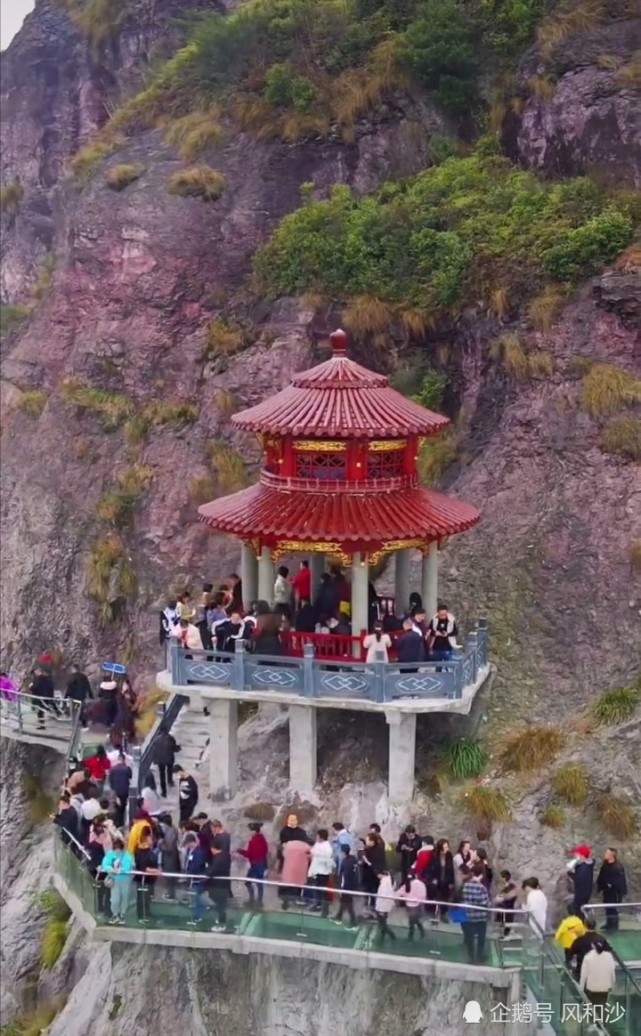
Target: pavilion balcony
325, 678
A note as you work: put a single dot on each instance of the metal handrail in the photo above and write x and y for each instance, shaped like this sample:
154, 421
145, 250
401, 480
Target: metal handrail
21, 696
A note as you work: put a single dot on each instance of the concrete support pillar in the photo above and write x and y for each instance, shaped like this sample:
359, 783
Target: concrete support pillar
223, 748
248, 575
401, 580
302, 748
429, 591
266, 576
316, 567
360, 597
402, 756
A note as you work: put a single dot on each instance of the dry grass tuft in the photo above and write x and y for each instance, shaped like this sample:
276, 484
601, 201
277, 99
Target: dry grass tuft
201, 181
366, 314
513, 356
120, 176
203, 489
572, 18
542, 87
226, 402
571, 783
607, 389
417, 322
225, 337
260, 811
553, 817
544, 310
540, 364
629, 76
500, 302
635, 556
11, 194
531, 749
195, 133
485, 805
623, 436
618, 817
148, 711
33, 402
85, 162
229, 467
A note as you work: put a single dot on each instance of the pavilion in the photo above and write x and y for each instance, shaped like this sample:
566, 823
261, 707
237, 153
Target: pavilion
339, 480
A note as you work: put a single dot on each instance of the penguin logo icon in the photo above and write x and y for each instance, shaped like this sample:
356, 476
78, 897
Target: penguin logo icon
472, 1013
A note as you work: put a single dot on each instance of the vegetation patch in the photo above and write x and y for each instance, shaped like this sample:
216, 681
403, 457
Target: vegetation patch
201, 181
33, 402
36, 1021
607, 389
117, 504
466, 758
623, 436
11, 317
520, 363
485, 805
616, 706
618, 817
436, 456
571, 783
120, 176
40, 804
43, 284
111, 576
635, 556
553, 817
531, 750
195, 133
113, 409
11, 194
260, 811
225, 337
98, 20
544, 309
148, 711
229, 467
202, 489
85, 163
453, 236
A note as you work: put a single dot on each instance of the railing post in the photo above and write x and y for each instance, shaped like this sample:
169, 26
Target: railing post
457, 658
238, 667
474, 647
379, 678
482, 631
19, 712
309, 688
174, 662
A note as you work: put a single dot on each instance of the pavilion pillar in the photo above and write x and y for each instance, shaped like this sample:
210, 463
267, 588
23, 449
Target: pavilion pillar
223, 748
401, 580
360, 597
248, 575
266, 576
302, 748
316, 567
402, 756
429, 589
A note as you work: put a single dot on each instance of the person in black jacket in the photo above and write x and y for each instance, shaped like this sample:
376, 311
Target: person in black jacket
218, 869
439, 876
67, 819
119, 778
146, 861
187, 794
374, 864
581, 874
613, 886
583, 944
410, 645
348, 883
408, 846
165, 751
79, 689
292, 832
42, 687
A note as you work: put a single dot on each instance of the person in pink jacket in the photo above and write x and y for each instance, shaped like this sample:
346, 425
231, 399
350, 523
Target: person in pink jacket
296, 857
414, 893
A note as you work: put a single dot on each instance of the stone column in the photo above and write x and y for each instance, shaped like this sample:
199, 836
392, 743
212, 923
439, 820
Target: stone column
223, 748
401, 580
266, 576
402, 755
248, 575
302, 748
429, 590
316, 567
360, 597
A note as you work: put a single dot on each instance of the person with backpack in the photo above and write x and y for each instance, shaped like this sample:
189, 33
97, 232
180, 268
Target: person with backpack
342, 837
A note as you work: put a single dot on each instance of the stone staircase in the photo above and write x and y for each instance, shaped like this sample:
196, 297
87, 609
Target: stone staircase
191, 731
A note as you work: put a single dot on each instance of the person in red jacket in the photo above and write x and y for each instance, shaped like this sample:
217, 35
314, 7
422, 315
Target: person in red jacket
424, 857
256, 853
98, 765
302, 584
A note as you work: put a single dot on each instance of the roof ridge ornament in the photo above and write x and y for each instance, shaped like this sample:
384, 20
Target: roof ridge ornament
340, 342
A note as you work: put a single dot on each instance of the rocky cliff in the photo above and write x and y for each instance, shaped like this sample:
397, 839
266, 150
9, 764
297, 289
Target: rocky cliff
134, 327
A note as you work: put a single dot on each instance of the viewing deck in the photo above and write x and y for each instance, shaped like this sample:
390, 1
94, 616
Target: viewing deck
324, 679
527, 957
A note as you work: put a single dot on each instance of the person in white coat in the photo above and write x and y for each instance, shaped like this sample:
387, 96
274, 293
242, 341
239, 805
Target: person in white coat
384, 905
320, 869
598, 974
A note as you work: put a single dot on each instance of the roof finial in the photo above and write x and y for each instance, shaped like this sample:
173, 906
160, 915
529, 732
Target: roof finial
339, 342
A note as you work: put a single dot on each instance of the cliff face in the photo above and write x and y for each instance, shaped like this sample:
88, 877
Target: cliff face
116, 393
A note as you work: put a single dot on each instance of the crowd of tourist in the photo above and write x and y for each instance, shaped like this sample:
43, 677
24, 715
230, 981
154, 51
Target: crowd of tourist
218, 621
343, 878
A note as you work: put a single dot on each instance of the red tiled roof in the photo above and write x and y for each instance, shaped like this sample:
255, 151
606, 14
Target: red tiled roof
340, 399
268, 513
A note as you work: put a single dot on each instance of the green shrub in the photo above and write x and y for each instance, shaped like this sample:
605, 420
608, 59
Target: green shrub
120, 176
285, 89
98, 20
616, 706
584, 250
452, 236
623, 436
54, 938
467, 758
53, 905
198, 182
432, 389
11, 317
112, 408
441, 53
